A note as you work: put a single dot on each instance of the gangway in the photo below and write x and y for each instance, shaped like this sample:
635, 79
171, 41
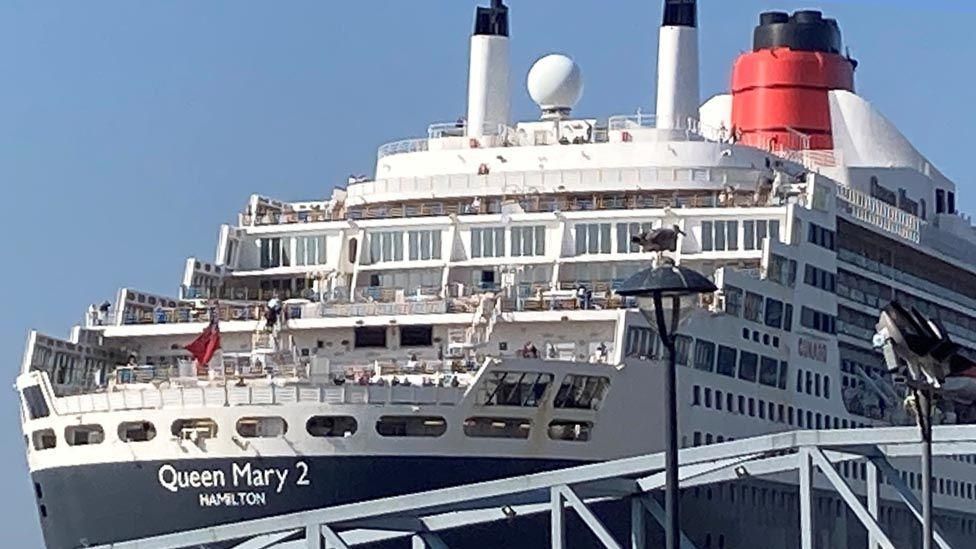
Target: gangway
423, 516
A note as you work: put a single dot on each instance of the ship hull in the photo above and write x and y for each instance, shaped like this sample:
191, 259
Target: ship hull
104, 503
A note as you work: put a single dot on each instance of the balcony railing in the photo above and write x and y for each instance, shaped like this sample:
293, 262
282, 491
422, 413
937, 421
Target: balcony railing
880, 214
218, 397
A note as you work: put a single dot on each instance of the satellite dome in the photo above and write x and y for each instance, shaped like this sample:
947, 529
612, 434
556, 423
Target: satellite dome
556, 84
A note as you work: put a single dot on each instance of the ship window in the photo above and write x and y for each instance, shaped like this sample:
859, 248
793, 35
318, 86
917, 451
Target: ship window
136, 431
753, 307
411, 426
44, 439
370, 336
626, 232
523, 389
424, 245
385, 246
593, 238
82, 435
704, 355
774, 313
331, 426
748, 364
310, 250
488, 242
416, 336
36, 404
497, 427
528, 241
769, 371
262, 427
726, 360
784, 370
575, 431
197, 428
733, 300
582, 392
682, 345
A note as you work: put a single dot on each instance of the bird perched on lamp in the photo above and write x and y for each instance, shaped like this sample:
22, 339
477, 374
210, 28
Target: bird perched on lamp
659, 240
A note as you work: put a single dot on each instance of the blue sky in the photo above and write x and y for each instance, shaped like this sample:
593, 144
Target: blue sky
130, 130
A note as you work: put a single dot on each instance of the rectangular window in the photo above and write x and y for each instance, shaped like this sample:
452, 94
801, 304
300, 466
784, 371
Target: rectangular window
425, 245
488, 242
731, 235
784, 370
370, 337
819, 278
707, 236
748, 365
528, 241
310, 250
704, 355
626, 232
385, 246
726, 360
820, 236
816, 320
274, 252
769, 372
774, 313
416, 336
592, 238
753, 307
733, 300
682, 346
749, 235
788, 317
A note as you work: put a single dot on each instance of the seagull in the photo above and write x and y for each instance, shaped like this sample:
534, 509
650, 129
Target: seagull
659, 240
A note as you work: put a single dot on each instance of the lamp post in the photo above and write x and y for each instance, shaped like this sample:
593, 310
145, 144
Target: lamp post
651, 287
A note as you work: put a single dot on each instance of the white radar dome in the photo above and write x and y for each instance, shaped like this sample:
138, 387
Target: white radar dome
555, 83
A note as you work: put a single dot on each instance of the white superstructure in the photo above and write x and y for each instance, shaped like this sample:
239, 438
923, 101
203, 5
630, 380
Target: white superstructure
455, 317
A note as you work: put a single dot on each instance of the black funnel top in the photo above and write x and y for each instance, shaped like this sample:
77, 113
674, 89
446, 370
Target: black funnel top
802, 31
492, 21
680, 13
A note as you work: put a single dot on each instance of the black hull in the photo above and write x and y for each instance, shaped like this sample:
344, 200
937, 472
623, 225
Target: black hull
100, 504
104, 503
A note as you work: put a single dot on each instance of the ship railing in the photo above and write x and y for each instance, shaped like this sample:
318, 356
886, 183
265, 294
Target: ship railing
245, 294
286, 218
215, 397
880, 214
345, 310
403, 147
622, 122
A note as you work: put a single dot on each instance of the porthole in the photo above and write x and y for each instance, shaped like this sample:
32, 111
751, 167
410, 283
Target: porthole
194, 429
262, 427
331, 426
574, 431
411, 426
83, 435
44, 439
136, 431
497, 427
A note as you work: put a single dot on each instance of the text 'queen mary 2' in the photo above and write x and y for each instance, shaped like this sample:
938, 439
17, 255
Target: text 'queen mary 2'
454, 319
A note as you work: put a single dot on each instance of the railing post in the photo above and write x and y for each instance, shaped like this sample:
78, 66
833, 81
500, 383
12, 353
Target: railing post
806, 499
873, 508
557, 526
638, 527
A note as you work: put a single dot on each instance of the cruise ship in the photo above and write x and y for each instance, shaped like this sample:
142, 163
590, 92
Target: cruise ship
455, 318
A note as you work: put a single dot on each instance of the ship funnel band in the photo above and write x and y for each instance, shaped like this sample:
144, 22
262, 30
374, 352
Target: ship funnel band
492, 21
680, 13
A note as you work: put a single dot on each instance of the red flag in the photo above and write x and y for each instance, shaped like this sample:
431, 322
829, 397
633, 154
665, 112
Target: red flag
204, 346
